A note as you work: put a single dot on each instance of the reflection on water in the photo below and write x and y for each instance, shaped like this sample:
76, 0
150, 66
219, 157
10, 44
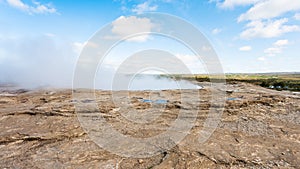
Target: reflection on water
146, 82
159, 101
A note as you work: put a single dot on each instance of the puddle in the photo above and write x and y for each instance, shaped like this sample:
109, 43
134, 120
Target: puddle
159, 101
234, 98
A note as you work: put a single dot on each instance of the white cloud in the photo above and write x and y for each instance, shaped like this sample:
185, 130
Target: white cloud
245, 48
216, 31
50, 34
272, 51
277, 47
267, 29
206, 48
282, 42
78, 46
192, 62
144, 7
261, 58
265, 17
36, 7
18, 4
43, 9
268, 9
125, 26
297, 16
233, 3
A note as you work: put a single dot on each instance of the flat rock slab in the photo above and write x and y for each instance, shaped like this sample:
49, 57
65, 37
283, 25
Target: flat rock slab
260, 129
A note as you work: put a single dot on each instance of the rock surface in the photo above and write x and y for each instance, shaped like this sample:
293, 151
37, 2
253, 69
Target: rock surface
259, 128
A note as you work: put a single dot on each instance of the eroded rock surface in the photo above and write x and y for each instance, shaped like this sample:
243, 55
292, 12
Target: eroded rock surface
259, 128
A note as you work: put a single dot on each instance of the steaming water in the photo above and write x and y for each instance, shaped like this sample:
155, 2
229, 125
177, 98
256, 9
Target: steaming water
146, 82
106, 82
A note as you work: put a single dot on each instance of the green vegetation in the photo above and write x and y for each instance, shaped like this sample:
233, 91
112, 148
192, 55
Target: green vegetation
277, 81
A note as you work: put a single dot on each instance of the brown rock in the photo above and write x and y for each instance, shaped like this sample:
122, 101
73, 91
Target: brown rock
261, 129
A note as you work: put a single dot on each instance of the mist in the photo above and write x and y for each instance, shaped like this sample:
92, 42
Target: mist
41, 61
140, 82
45, 61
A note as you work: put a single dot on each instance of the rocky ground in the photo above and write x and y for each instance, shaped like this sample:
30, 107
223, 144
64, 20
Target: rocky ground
259, 128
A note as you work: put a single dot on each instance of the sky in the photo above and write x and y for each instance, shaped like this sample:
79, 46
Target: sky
41, 40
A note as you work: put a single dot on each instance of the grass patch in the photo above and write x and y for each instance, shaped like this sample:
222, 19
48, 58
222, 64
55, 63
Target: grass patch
277, 81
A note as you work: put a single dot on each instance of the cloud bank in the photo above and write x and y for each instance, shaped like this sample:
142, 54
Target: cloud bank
264, 18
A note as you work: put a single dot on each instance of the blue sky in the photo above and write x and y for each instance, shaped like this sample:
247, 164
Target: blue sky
41, 38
